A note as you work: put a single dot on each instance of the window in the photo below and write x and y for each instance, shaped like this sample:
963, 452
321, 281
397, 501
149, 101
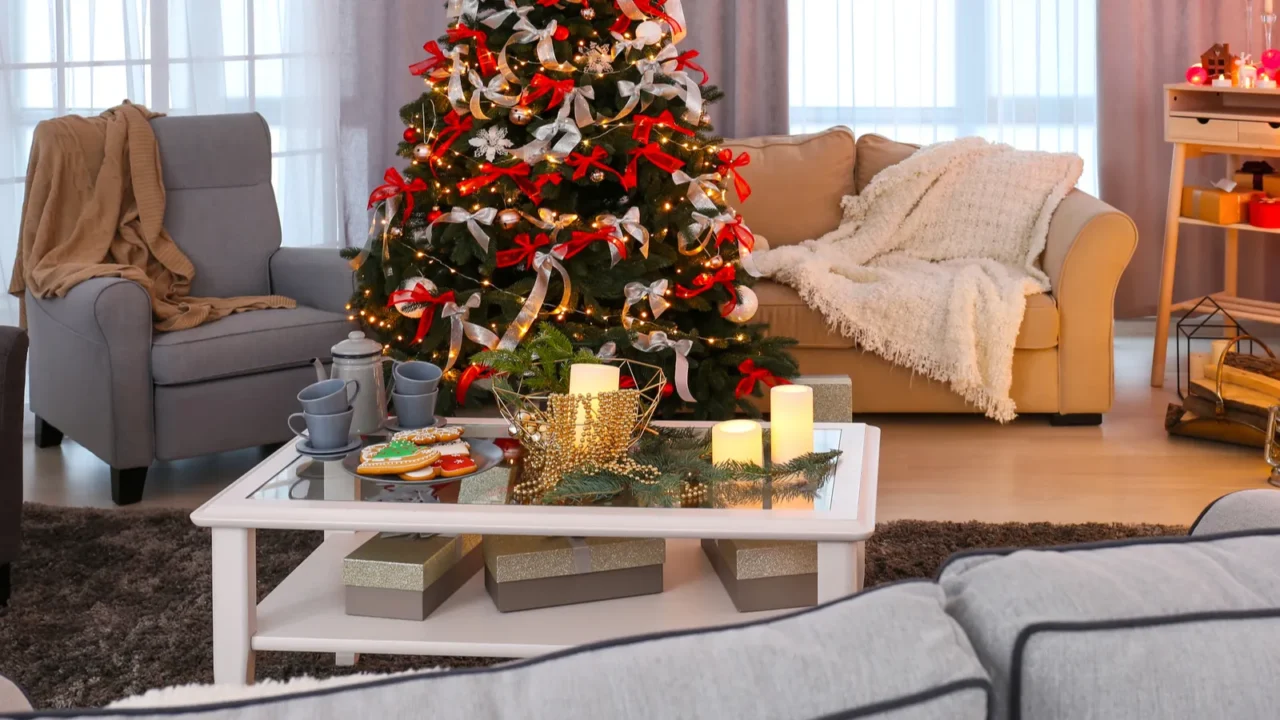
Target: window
275, 57
922, 71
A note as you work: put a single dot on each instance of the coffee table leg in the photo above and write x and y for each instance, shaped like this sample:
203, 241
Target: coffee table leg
235, 604
840, 569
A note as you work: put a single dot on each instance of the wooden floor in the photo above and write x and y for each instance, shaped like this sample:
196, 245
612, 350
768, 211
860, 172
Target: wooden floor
931, 468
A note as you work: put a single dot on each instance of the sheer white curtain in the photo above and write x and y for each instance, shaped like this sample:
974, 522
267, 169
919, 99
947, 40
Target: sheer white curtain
1017, 71
280, 58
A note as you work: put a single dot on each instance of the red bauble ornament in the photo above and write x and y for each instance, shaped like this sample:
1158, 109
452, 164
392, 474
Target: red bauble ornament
411, 134
1197, 75
561, 33
1271, 59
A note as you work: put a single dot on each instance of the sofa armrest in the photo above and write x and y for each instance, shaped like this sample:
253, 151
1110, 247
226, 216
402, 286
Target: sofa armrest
1090, 244
91, 368
1240, 511
316, 277
13, 378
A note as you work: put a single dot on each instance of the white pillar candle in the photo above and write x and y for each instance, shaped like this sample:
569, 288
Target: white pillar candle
791, 432
592, 380
1265, 82
1222, 81
737, 441
1268, 7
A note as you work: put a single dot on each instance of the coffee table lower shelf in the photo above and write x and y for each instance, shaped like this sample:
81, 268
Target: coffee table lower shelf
306, 613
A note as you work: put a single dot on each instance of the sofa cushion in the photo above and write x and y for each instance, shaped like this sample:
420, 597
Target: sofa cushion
797, 183
788, 315
246, 343
888, 653
1170, 627
875, 153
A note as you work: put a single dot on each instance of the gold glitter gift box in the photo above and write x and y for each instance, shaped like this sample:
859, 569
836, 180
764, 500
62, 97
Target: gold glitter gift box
766, 574
525, 572
406, 577
832, 397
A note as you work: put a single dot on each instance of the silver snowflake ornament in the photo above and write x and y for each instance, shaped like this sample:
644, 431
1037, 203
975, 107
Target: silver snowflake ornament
599, 58
491, 143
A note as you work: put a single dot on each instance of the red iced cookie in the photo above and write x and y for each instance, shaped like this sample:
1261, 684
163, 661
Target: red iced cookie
455, 465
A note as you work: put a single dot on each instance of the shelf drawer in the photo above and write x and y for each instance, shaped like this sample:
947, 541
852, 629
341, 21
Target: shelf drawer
1260, 133
1205, 129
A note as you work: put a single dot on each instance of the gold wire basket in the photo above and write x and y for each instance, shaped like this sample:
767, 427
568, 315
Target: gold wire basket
562, 433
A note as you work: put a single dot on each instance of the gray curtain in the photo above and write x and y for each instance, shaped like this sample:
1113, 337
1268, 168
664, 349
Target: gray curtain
743, 44
1142, 45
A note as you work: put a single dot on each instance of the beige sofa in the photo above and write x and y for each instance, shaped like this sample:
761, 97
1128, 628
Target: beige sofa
1063, 362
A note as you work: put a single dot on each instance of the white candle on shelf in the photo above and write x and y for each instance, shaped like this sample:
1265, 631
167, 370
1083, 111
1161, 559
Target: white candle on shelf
592, 380
737, 441
1222, 81
791, 432
1265, 82
1268, 7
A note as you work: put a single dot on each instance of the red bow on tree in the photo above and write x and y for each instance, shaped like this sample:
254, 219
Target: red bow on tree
724, 276
490, 173
582, 164
646, 123
654, 154
420, 295
541, 85
752, 375
729, 166
526, 251
738, 232
581, 240
431, 64
484, 56
542, 180
454, 126
395, 185
685, 60
629, 383
470, 376
655, 8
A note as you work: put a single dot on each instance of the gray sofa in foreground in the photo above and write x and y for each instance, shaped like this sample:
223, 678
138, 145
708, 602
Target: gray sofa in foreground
1168, 628
102, 376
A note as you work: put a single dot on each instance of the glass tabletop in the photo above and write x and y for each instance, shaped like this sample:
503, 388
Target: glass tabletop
306, 479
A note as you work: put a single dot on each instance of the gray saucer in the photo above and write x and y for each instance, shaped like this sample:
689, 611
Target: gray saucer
304, 448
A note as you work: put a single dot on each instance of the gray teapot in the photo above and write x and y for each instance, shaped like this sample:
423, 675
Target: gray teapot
359, 358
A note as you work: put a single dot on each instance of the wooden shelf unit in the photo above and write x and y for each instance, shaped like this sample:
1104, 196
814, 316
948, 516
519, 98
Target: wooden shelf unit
1203, 121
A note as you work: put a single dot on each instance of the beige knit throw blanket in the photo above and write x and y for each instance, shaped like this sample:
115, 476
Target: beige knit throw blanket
94, 208
933, 263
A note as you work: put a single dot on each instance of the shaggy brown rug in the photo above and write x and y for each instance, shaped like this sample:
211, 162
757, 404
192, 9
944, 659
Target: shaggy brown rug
107, 604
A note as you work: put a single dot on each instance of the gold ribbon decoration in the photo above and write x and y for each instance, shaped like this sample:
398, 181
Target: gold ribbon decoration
637, 292
550, 221
491, 91
658, 342
629, 224
460, 326
473, 220
545, 264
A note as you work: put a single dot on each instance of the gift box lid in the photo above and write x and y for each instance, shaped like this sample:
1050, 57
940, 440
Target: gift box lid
512, 558
755, 559
393, 561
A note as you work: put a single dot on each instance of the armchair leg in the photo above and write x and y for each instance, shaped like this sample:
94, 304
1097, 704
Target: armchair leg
1081, 420
5, 584
127, 484
47, 436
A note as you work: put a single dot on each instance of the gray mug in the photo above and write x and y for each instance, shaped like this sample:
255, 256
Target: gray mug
414, 412
416, 378
325, 432
329, 397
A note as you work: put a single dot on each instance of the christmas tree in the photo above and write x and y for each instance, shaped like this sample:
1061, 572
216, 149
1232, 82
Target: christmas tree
564, 172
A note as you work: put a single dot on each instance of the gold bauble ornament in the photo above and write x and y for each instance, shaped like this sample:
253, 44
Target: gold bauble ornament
509, 218
715, 263
422, 152
748, 306
597, 176
414, 310
521, 115
395, 231
588, 13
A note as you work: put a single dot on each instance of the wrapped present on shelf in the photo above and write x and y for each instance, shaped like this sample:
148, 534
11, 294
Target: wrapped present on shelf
406, 577
1220, 204
832, 397
1264, 212
766, 574
1259, 176
525, 572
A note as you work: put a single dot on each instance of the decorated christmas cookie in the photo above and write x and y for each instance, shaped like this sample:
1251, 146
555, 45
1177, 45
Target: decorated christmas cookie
457, 447
430, 472
394, 458
456, 465
430, 436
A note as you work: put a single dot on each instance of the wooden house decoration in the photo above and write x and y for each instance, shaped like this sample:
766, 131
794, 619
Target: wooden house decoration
1219, 61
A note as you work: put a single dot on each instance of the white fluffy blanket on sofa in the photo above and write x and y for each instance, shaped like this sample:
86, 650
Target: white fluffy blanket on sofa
933, 262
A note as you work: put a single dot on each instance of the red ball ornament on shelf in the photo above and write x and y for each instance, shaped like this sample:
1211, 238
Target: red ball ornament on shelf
411, 134
1197, 75
1271, 60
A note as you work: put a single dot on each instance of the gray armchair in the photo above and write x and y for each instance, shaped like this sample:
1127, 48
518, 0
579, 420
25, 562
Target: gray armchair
13, 373
102, 376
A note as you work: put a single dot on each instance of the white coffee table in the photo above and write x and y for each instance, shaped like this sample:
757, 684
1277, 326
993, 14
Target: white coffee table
305, 613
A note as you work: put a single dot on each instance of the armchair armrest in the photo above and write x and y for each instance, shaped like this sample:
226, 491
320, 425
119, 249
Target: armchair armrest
13, 377
91, 368
1090, 244
316, 277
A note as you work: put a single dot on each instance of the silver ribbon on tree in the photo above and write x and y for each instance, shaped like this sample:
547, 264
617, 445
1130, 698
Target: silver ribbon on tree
658, 342
526, 33
637, 292
667, 63
473, 220
491, 91
621, 44
545, 264
629, 225
459, 327
673, 8
457, 94
704, 229
642, 92
458, 8
581, 109
495, 18
551, 221
700, 189
379, 229
608, 351
541, 148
